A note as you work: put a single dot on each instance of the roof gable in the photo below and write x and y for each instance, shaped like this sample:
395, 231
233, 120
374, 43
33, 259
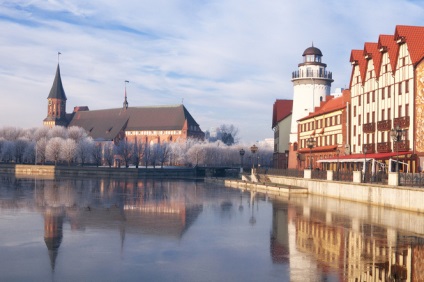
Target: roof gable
371, 52
281, 110
414, 38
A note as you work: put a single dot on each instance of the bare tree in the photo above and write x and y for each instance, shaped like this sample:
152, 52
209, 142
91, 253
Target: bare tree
147, 154
138, 152
20, 145
53, 149
7, 152
108, 153
68, 151
125, 150
96, 153
163, 154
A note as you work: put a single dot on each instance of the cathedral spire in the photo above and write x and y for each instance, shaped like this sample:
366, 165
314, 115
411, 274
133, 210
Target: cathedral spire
125, 98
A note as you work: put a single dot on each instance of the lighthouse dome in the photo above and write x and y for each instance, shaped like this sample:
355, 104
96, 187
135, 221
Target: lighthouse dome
312, 51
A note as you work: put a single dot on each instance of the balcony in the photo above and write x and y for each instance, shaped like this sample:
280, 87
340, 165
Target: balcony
403, 122
384, 147
401, 146
370, 148
384, 125
312, 74
369, 127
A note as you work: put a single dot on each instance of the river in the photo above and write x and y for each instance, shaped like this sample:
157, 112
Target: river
105, 229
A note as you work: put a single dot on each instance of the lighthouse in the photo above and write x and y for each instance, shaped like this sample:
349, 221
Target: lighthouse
311, 85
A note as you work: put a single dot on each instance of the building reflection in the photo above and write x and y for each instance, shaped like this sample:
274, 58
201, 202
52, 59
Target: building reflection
152, 207
346, 244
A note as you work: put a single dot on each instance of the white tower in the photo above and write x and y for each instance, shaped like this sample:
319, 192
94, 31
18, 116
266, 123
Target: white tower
311, 85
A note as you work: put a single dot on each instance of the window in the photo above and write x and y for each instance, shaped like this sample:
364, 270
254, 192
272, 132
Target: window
382, 93
382, 136
354, 111
368, 97
400, 111
407, 110
400, 88
368, 117
354, 130
389, 91
359, 119
359, 102
373, 117
407, 86
389, 113
373, 96
359, 139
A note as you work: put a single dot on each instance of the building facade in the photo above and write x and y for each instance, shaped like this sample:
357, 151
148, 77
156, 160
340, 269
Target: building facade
387, 94
281, 122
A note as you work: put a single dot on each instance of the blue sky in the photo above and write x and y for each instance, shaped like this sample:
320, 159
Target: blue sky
228, 60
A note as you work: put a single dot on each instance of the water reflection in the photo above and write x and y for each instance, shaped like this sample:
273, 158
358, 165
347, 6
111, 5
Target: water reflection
340, 241
133, 206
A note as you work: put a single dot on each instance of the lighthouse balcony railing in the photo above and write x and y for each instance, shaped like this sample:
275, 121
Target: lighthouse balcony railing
312, 74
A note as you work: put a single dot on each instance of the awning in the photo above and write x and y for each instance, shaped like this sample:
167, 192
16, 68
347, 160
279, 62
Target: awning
362, 157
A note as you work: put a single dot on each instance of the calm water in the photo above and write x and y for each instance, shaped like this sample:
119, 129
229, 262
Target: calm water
152, 230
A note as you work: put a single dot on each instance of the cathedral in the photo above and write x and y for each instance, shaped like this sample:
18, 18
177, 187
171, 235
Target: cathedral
152, 124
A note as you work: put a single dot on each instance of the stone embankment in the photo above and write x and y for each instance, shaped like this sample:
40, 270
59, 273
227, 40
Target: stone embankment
390, 196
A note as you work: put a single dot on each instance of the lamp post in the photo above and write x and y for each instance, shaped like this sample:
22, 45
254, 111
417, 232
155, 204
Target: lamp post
310, 142
287, 160
253, 149
241, 160
338, 168
365, 163
397, 134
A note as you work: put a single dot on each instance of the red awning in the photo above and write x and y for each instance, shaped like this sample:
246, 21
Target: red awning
318, 149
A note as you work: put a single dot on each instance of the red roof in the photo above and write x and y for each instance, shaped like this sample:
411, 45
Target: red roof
332, 104
281, 110
414, 38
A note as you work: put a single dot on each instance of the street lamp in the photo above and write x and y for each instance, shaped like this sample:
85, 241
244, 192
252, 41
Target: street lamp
397, 134
365, 163
338, 168
310, 142
253, 149
241, 159
287, 161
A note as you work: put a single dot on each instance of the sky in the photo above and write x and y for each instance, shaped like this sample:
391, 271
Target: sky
227, 61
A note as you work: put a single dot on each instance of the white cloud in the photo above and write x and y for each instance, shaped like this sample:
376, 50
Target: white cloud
229, 60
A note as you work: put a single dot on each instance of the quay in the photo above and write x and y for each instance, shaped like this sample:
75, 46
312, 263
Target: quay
376, 194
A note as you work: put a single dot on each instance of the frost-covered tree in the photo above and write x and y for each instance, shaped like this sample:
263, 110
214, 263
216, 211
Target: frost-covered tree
7, 152
84, 150
29, 153
147, 153
77, 133
68, 151
20, 146
58, 131
40, 150
41, 132
138, 153
125, 151
163, 154
53, 149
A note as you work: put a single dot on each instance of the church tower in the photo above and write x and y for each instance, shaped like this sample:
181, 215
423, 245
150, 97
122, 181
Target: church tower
56, 103
311, 85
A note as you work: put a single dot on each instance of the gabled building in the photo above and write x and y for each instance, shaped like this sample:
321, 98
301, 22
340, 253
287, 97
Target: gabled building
155, 124
281, 122
387, 89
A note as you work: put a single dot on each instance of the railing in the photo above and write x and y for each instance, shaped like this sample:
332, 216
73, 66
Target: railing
370, 148
282, 172
384, 147
411, 179
384, 125
401, 121
312, 74
319, 174
401, 146
369, 127
379, 177
346, 176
